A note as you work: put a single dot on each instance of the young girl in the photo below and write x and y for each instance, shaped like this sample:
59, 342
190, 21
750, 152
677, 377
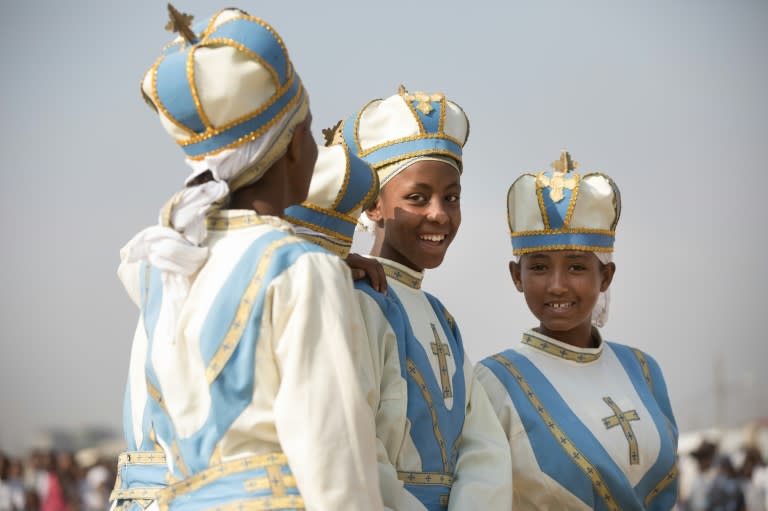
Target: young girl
439, 444
588, 421
243, 369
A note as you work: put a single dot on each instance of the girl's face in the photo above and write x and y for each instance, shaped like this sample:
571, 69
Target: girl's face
418, 214
561, 289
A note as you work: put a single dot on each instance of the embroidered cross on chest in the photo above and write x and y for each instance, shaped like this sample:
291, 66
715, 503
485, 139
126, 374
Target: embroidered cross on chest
442, 351
623, 419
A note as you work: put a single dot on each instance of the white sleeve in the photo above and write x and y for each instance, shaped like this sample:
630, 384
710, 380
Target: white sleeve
390, 391
483, 475
323, 422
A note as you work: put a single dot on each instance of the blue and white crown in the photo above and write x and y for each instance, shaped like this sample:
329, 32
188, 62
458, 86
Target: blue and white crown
222, 83
404, 126
342, 186
561, 210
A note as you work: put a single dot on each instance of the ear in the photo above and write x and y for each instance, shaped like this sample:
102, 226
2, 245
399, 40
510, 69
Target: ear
375, 213
608, 270
293, 153
514, 271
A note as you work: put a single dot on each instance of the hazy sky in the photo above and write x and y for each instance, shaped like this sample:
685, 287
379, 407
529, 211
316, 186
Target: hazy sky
668, 97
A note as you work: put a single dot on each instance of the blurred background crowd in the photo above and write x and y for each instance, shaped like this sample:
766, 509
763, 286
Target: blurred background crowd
720, 470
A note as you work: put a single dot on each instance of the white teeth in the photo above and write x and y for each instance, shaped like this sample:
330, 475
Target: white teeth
559, 305
433, 237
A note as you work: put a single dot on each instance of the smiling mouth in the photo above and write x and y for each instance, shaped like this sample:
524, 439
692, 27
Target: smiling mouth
433, 238
560, 306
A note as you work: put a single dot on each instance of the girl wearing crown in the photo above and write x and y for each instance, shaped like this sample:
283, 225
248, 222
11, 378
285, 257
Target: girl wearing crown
439, 444
588, 421
242, 389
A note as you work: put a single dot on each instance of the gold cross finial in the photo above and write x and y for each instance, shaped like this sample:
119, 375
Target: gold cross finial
333, 134
422, 98
565, 163
180, 22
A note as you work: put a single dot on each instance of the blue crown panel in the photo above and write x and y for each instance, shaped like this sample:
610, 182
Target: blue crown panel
360, 183
406, 149
557, 211
174, 92
259, 40
349, 134
321, 219
243, 129
430, 121
543, 241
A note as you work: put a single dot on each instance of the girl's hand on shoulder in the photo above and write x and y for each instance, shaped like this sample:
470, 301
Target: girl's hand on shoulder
363, 267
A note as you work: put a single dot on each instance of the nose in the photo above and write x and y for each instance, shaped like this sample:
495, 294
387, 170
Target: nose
436, 212
557, 282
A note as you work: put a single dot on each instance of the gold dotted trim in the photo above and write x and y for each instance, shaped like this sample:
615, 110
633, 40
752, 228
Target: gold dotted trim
410, 138
247, 117
265, 504
223, 41
345, 182
419, 379
193, 88
568, 230
578, 457
553, 349
256, 134
223, 223
140, 458
234, 334
582, 248
666, 481
159, 105
410, 106
414, 154
318, 228
333, 246
542, 206
402, 277
262, 483
425, 478
216, 472
572, 203
441, 123
644, 366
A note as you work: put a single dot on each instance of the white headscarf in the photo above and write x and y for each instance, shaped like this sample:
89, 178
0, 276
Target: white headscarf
174, 246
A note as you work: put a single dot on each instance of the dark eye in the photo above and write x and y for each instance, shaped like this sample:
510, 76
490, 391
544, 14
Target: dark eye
416, 197
538, 267
578, 267
454, 197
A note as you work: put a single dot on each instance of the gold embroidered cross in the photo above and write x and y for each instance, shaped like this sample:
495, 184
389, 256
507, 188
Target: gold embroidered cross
442, 351
424, 99
623, 419
558, 182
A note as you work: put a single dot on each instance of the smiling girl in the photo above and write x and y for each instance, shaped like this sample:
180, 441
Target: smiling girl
439, 444
588, 421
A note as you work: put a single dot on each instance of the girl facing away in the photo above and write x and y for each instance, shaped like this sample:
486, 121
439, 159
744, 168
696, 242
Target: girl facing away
439, 444
589, 423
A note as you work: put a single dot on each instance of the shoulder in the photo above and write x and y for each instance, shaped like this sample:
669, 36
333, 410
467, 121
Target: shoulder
624, 352
441, 309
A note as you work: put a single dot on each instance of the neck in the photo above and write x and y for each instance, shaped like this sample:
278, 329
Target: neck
267, 196
579, 337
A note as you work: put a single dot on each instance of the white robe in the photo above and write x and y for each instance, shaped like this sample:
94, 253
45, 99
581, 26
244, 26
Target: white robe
264, 360
587, 428
481, 469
